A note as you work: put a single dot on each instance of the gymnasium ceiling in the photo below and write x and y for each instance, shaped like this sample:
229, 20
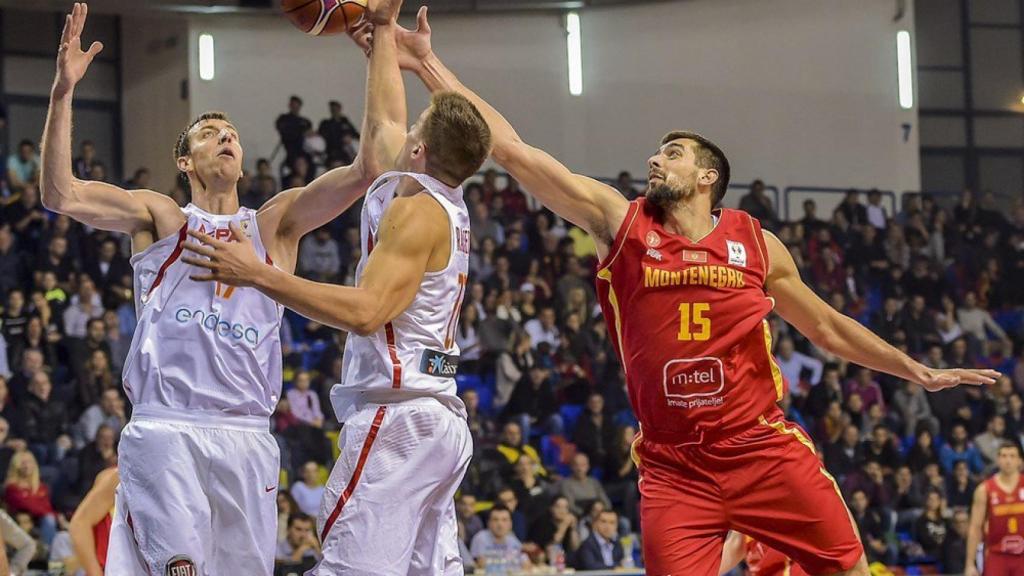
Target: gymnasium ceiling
259, 6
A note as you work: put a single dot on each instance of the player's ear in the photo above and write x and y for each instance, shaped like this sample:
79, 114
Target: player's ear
184, 163
709, 177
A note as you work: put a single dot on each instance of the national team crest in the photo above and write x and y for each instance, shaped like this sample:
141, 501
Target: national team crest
737, 253
653, 239
181, 565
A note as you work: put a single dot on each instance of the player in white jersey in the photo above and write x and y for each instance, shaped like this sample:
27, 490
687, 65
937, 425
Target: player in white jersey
388, 508
198, 465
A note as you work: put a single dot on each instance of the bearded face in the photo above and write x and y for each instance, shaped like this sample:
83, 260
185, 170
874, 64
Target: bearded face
667, 193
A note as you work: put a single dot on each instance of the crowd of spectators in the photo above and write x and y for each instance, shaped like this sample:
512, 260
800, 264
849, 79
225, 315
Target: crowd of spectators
552, 481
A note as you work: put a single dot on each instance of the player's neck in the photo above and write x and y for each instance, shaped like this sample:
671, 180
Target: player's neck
217, 201
689, 219
1010, 480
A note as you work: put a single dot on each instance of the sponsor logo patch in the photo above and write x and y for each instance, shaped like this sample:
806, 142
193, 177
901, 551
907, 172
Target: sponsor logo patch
693, 382
737, 253
181, 565
653, 240
654, 254
434, 363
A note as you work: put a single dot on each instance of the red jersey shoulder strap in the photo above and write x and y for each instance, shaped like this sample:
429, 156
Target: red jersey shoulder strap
621, 234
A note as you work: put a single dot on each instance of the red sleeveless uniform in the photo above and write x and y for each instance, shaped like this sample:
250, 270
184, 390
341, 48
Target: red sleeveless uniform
765, 561
101, 536
1004, 534
714, 451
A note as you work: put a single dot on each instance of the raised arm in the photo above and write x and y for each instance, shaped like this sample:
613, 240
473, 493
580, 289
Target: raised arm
413, 231
94, 203
844, 336
597, 208
296, 212
976, 529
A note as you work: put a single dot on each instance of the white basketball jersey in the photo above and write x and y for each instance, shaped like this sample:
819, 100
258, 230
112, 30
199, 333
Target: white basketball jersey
414, 355
202, 347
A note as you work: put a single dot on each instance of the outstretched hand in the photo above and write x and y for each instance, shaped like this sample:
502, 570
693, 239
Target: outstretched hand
414, 46
233, 262
934, 380
72, 61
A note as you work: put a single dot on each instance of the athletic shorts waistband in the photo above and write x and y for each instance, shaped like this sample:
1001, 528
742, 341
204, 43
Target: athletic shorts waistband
702, 435
201, 418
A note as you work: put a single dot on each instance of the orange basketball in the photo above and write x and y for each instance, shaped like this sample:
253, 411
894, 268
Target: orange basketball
317, 17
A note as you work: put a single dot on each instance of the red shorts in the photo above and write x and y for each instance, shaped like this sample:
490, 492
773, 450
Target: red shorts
1004, 564
766, 482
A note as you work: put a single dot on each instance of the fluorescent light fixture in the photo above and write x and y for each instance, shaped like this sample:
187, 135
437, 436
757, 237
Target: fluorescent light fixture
206, 67
906, 70
575, 47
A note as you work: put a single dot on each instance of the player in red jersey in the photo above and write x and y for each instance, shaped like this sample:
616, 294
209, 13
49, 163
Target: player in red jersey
90, 526
998, 513
761, 560
685, 288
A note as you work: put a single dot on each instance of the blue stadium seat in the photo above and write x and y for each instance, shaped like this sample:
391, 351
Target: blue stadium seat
570, 414
464, 381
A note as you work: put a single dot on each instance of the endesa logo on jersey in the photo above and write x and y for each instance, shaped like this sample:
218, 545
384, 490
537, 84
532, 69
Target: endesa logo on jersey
212, 322
694, 382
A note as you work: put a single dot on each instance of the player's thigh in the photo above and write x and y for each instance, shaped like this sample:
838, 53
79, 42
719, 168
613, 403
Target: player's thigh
164, 495
682, 515
436, 550
787, 500
242, 488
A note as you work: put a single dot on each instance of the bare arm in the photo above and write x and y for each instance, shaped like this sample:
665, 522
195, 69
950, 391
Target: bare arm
732, 552
843, 336
975, 530
412, 230
94, 203
597, 208
94, 507
296, 212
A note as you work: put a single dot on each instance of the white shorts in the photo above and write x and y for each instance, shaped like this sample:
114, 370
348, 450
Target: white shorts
388, 508
204, 492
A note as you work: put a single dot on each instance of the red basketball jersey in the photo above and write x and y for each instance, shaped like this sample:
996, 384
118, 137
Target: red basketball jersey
688, 321
765, 561
1005, 533
101, 537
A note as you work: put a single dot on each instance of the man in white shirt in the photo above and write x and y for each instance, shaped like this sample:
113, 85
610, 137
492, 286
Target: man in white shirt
543, 329
793, 363
496, 543
876, 213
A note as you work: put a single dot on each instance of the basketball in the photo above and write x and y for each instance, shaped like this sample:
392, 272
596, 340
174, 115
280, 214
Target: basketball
319, 17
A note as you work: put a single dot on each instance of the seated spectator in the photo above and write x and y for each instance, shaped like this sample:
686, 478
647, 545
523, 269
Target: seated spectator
930, 528
23, 167
960, 486
300, 543
533, 491
911, 400
9, 446
24, 492
468, 340
496, 545
320, 257
977, 322
757, 204
85, 305
866, 387
533, 403
845, 455
110, 412
96, 457
108, 268
18, 540
794, 364
602, 550
481, 426
44, 421
84, 162
581, 489
557, 528
542, 329
906, 501
832, 425
871, 529
881, 448
465, 509
507, 498
871, 482
308, 492
923, 452
960, 448
989, 441
954, 547
286, 506
595, 431
620, 474
304, 402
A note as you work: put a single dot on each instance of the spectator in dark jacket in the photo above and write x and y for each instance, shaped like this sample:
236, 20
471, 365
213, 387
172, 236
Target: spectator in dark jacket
44, 421
533, 402
595, 432
602, 550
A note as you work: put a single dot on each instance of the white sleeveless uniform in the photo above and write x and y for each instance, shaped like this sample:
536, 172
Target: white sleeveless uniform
199, 467
388, 508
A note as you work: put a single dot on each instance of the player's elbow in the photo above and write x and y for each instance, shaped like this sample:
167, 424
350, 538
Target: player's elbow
56, 197
368, 320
